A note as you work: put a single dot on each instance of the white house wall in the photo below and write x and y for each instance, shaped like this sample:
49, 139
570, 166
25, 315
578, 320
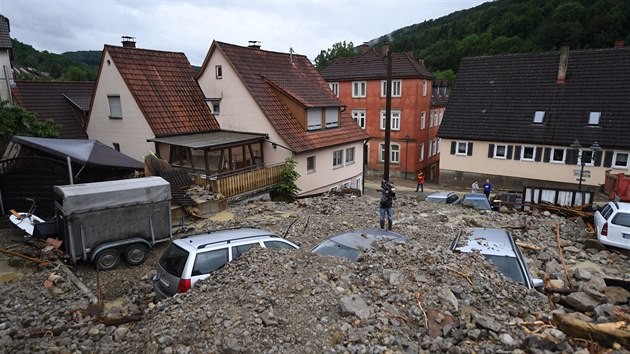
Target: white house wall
132, 131
6, 75
480, 164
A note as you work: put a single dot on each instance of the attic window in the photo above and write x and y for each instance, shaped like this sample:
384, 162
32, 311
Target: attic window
219, 71
538, 117
593, 118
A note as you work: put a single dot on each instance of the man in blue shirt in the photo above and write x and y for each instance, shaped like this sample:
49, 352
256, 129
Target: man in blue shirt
487, 188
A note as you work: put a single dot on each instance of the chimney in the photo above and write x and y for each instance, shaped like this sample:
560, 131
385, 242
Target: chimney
254, 44
618, 43
562, 65
385, 48
363, 48
128, 42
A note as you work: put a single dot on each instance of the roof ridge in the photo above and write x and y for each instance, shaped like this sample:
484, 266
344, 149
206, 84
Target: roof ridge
548, 52
262, 50
117, 47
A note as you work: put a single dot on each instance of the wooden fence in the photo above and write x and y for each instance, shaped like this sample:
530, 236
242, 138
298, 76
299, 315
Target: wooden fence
248, 181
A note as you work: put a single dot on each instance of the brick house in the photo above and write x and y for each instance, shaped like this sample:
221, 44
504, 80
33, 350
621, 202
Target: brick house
360, 83
514, 118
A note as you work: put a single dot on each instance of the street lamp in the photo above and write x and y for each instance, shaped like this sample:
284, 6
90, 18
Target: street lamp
577, 146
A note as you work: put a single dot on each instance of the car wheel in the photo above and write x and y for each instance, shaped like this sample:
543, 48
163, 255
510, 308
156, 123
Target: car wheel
136, 254
107, 259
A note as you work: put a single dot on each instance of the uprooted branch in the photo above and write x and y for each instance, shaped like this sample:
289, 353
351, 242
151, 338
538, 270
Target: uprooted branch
463, 274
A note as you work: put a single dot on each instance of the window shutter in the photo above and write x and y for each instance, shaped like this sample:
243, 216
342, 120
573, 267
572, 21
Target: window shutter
538, 154
491, 150
470, 145
572, 157
510, 149
608, 158
517, 152
453, 146
598, 158
547, 155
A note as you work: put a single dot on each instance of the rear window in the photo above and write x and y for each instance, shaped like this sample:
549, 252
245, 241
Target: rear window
452, 199
278, 244
174, 259
208, 262
607, 211
622, 219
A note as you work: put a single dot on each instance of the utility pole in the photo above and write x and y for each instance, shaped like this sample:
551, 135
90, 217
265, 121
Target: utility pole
388, 114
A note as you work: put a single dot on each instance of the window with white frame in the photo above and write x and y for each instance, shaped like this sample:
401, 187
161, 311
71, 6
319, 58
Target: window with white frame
500, 151
461, 148
620, 160
423, 119
218, 70
359, 116
115, 109
424, 87
587, 155
431, 119
216, 107
435, 118
421, 153
334, 86
349, 156
314, 116
441, 116
593, 118
395, 119
557, 155
358, 89
394, 153
528, 153
332, 117
337, 158
396, 88
439, 142
310, 164
539, 116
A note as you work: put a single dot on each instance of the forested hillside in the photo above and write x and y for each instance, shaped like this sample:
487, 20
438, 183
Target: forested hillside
74, 66
513, 26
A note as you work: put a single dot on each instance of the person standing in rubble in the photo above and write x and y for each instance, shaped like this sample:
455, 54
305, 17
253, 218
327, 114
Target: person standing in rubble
388, 194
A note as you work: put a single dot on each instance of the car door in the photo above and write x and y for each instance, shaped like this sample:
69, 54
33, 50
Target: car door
208, 262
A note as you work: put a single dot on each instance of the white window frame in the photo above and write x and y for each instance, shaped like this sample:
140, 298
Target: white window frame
394, 153
350, 156
395, 121
586, 163
332, 117
423, 119
496, 151
421, 153
314, 167
593, 118
314, 113
439, 142
441, 116
359, 116
215, 104
218, 71
359, 89
523, 158
431, 119
334, 87
457, 148
552, 155
539, 117
424, 87
115, 106
614, 160
396, 88
337, 159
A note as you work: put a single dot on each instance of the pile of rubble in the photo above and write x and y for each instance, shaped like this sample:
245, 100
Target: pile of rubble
407, 298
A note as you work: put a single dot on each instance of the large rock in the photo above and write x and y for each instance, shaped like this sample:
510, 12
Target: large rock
581, 301
355, 306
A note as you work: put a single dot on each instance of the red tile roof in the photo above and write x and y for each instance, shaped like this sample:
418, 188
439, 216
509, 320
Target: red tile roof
263, 71
372, 65
64, 102
164, 87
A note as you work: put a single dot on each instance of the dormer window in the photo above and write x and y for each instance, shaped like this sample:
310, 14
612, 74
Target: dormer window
314, 116
332, 117
538, 117
593, 118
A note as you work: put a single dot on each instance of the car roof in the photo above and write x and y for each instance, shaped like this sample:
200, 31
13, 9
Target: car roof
197, 241
363, 239
625, 207
440, 194
475, 196
487, 241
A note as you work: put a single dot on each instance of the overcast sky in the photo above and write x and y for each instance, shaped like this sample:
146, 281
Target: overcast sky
189, 26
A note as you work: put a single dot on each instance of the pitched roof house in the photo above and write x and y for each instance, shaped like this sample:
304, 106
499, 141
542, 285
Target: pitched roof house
282, 95
67, 103
360, 83
514, 118
6, 74
142, 94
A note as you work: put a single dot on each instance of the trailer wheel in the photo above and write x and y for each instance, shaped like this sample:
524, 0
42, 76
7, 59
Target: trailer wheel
136, 254
107, 259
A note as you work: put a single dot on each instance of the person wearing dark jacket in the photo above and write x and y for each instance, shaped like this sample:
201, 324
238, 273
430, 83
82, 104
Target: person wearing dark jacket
386, 204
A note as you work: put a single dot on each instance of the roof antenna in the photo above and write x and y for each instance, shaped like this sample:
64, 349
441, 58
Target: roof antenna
291, 54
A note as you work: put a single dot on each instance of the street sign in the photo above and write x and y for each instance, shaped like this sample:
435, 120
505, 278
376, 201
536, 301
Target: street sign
586, 173
580, 179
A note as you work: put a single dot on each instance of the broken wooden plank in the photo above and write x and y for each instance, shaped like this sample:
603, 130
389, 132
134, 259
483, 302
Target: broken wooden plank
528, 246
32, 259
606, 334
79, 284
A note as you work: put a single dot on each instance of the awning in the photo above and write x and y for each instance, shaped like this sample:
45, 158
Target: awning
84, 152
211, 140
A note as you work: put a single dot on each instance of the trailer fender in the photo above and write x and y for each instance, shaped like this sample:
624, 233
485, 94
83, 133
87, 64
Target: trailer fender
116, 244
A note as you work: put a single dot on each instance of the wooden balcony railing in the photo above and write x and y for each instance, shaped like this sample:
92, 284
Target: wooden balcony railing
239, 183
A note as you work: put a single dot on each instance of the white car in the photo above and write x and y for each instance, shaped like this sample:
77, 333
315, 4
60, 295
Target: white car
612, 224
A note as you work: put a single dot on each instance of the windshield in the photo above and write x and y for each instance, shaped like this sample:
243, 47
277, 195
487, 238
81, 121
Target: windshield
332, 248
509, 266
482, 204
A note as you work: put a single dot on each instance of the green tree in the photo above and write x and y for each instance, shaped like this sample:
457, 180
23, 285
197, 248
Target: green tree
338, 50
15, 120
287, 190
448, 75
